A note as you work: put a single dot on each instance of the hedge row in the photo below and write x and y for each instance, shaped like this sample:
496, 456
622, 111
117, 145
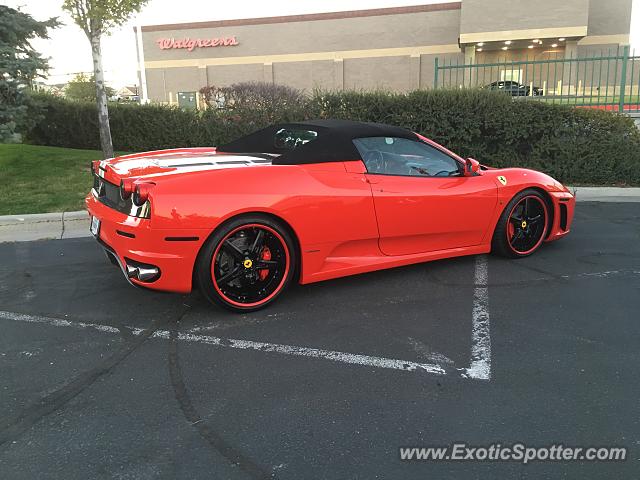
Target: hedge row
578, 146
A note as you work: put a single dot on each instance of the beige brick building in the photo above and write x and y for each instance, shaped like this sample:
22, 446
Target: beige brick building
392, 48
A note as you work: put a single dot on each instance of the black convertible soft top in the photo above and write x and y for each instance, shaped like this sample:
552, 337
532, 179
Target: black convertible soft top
333, 143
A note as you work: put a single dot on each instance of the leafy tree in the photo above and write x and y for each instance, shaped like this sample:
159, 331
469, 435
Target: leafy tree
97, 18
83, 87
20, 65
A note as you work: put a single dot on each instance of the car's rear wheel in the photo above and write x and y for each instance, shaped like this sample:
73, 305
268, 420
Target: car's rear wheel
523, 225
247, 263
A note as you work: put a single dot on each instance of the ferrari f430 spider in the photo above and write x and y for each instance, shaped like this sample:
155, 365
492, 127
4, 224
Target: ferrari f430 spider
311, 201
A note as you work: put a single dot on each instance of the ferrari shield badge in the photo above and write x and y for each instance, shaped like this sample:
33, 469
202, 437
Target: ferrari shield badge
502, 180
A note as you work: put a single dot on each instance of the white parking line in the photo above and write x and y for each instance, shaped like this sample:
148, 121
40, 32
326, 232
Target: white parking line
606, 274
480, 367
56, 322
342, 357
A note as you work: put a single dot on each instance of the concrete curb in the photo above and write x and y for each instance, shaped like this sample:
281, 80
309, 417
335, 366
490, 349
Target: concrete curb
60, 225
44, 226
6, 220
606, 194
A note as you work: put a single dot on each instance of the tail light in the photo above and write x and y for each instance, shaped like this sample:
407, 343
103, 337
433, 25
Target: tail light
141, 193
93, 165
127, 188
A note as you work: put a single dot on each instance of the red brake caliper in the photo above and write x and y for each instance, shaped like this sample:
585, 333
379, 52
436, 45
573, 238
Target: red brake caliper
266, 255
511, 230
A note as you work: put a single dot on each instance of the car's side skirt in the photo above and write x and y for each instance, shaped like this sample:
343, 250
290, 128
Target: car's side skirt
335, 267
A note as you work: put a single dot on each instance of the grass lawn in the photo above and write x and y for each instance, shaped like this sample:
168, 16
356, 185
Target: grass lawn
35, 179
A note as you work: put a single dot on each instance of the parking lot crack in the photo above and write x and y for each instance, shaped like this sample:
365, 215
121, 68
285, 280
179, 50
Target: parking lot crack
14, 427
222, 446
62, 226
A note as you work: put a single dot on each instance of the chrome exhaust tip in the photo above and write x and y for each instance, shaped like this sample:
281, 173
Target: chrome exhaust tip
141, 271
132, 272
147, 274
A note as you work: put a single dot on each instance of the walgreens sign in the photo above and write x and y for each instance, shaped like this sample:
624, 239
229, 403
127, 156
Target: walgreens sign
190, 44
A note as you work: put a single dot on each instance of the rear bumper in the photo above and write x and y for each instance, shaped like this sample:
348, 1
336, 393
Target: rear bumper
127, 238
563, 209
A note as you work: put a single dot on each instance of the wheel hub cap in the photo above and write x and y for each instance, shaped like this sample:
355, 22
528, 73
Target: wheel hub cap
527, 224
250, 265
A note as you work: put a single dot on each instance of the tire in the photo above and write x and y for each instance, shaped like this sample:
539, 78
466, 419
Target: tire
229, 269
523, 225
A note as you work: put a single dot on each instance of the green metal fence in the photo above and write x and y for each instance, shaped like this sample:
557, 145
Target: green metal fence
607, 80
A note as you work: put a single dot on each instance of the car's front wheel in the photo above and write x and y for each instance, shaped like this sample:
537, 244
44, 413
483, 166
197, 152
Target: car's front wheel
523, 225
247, 263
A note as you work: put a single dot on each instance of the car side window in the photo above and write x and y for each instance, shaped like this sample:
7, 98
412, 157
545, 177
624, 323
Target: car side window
401, 156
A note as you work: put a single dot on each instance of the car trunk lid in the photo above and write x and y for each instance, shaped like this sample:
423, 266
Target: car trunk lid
180, 160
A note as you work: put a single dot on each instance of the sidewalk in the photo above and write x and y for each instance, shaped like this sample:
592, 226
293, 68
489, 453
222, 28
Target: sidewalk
61, 225
44, 226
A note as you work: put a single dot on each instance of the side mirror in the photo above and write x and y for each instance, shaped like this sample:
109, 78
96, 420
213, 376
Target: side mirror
471, 167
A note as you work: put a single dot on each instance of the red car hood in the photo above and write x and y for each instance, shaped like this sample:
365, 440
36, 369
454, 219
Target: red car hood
179, 160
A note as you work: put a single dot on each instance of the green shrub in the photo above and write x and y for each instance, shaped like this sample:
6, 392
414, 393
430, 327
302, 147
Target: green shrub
579, 146
262, 102
574, 145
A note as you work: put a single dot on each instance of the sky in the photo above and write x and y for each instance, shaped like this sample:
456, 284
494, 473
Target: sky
69, 51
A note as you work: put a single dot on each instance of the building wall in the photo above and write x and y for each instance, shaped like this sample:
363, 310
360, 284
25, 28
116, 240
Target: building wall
330, 36
609, 17
497, 15
378, 73
609, 27
306, 75
225, 75
378, 49
155, 85
489, 20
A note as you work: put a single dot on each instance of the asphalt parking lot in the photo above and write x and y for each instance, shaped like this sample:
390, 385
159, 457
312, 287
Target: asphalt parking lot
102, 380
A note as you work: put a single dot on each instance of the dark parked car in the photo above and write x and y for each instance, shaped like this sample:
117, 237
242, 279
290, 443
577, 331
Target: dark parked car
513, 88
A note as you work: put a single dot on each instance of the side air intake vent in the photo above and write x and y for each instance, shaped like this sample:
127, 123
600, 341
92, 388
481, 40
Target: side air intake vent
563, 217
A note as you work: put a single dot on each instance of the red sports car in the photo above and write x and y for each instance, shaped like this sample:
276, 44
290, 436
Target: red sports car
311, 201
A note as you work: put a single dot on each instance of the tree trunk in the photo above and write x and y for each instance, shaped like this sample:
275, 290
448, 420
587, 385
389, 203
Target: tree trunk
101, 99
